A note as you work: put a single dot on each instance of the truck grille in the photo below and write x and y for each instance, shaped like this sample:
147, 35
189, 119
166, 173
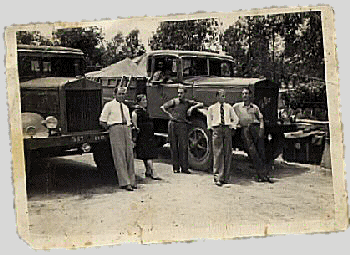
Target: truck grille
83, 110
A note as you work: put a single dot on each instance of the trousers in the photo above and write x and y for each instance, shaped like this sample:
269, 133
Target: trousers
255, 147
122, 151
178, 137
222, 152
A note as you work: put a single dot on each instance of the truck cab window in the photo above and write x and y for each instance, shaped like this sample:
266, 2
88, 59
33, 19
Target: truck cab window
194, 66
165, 69
47, 67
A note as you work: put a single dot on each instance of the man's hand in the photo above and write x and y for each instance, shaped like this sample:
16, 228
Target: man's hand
189, 111
104, 125
261, 133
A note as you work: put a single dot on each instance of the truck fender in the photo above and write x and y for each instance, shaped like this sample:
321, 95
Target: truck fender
34, 121
203, 112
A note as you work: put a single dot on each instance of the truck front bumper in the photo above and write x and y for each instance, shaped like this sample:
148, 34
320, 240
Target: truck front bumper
71, 141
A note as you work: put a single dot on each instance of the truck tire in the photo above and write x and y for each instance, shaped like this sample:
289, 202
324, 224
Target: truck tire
103, 158
199, 146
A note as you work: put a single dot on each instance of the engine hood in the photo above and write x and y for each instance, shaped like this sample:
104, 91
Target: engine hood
221, 81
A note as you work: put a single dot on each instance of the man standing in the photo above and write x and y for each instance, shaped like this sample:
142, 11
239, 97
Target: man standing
178, 109
221, 120
252, 123
116, 118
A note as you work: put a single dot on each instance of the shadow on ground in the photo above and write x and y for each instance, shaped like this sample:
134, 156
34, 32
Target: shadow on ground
66, 176
69, 177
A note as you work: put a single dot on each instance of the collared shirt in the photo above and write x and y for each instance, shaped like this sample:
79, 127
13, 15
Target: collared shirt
214, 116
111, 113
247, 115
178, 108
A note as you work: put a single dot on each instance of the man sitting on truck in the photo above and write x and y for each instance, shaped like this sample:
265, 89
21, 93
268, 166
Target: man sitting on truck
178, 109
252, 122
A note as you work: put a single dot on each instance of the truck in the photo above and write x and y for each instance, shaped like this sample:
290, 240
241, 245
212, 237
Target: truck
60, 107
202, 74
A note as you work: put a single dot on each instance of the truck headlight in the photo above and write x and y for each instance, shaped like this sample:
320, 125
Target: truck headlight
51, 122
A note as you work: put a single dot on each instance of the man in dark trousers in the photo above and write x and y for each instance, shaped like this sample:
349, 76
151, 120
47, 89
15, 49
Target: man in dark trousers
252, 122
178, 109
221, 121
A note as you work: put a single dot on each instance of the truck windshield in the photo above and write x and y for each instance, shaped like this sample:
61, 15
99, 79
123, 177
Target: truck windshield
194, 66
46, 61
200, 66
220, 68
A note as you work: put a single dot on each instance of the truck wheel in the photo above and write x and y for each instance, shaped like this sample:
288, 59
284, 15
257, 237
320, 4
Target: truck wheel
103, 158
199, 146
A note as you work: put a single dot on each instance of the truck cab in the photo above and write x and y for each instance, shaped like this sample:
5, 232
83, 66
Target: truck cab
60, 108
203, 74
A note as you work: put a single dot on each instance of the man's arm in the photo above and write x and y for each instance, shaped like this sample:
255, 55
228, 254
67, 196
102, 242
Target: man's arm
261, 121
210, 118
104, 116
165, 107
134, 118
195, 105
234, 118
104, 124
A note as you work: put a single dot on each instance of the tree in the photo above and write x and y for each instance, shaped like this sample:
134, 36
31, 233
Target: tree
121, 47
84, 38
235, 41
32, 37
282, 47
196, 35
113, 52
132, 47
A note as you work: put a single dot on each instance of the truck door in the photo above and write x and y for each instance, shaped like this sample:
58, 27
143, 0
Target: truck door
163, 84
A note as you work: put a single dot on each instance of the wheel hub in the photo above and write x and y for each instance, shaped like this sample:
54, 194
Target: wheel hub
198, 143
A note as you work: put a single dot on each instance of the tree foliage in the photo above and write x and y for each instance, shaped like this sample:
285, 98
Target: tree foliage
282, 47
32, 38
193, 35
84, 38
121, 47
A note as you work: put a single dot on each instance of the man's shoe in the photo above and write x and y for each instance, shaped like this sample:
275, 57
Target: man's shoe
129, 187
149, 175
185, 172
218, 183
267, 179
176, 171
260, 179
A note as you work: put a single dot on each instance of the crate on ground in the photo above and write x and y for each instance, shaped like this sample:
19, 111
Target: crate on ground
304, 147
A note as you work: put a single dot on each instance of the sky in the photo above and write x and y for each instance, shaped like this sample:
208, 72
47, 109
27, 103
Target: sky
146, 25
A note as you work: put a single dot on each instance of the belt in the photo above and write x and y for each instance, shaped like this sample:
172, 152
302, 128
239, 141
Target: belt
180, 121
221, 125
117, 124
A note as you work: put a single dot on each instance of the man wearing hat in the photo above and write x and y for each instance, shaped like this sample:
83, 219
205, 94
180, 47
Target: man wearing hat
178, 109
115, 118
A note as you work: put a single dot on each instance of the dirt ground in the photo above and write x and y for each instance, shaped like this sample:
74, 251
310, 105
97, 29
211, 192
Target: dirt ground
84, 207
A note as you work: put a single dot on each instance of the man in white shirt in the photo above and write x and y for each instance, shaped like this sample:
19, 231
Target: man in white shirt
222, 120
116, 118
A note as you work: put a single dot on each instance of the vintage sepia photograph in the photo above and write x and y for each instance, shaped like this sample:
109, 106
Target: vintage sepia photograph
176, 128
